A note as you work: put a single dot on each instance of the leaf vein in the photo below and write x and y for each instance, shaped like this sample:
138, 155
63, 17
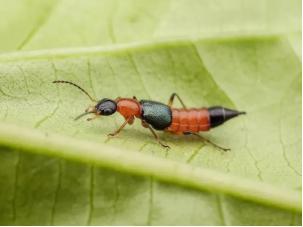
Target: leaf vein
25, 79
11, 96
37, 27
53, 210
47, 117
255, 161
17, 167
90, 77
284, 151
91, 196
110, 24
195, 153
220, 209
150, 202
138, 74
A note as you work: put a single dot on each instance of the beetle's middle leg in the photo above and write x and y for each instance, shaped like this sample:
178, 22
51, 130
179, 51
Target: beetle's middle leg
146, 125
171, 100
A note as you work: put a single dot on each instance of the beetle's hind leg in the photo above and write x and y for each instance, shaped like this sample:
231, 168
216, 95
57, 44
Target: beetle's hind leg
171, 100
207, 141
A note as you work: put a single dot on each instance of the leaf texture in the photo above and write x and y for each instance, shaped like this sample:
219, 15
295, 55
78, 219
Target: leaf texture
240, 54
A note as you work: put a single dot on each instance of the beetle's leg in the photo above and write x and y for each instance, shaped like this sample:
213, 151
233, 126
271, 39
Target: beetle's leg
171, 100
121, 127
146, 125
131, 120
134, 97
208, 141
117, 98
93, 118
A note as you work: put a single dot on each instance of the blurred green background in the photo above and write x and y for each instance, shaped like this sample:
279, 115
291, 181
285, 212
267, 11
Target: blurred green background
35, 24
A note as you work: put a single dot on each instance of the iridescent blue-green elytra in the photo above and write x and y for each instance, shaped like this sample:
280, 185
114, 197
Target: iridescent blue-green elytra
157, 114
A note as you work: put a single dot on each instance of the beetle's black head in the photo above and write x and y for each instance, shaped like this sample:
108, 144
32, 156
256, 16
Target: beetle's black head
106, 107
103, 107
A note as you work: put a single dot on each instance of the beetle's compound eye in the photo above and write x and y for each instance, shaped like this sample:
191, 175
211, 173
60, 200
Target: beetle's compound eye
106, 107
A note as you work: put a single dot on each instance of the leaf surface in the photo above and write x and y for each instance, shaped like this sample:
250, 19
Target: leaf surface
56, 171
268, 132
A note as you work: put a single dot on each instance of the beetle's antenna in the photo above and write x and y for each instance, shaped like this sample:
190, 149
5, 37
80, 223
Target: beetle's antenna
77, 86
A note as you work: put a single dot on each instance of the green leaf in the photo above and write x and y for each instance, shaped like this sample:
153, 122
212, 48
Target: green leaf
259, 75
35, 24
55, 171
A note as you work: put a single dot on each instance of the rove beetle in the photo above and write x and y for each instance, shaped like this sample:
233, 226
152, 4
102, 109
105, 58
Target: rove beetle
158, 116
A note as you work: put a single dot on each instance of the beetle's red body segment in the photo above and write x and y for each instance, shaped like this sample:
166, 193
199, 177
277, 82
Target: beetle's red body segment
129, 108
183, 120
189, 120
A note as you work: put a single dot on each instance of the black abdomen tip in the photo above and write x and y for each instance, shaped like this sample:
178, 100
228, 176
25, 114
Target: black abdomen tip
218, 115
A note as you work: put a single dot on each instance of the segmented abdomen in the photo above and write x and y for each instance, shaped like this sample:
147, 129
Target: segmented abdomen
189, 120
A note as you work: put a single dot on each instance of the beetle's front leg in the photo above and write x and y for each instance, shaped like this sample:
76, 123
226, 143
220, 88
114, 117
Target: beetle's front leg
92, 118
128, 120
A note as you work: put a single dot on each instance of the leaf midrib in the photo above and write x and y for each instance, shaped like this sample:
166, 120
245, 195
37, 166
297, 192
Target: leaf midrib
30, 140
117, 49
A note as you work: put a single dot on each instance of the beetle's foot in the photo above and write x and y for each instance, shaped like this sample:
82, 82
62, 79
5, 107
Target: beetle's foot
223, 149
217, 146
164, 145
213, 144
92, 118
112, 135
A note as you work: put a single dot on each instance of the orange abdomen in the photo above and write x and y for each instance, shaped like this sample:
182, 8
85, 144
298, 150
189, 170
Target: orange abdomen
189, 120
